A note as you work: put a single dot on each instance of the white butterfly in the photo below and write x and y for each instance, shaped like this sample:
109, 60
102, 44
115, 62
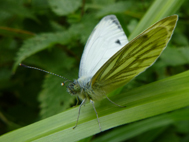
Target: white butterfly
106, 39
109, 61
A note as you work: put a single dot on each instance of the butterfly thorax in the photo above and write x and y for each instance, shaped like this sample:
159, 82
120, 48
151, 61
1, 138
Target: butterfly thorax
81, 88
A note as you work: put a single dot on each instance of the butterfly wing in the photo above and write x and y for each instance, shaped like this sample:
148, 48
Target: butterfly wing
106, 39
135, 57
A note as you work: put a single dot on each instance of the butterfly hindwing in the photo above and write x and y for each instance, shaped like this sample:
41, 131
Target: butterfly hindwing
135, 57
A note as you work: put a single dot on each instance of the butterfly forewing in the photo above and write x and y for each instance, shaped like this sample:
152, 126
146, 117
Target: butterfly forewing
106, 39
135, 57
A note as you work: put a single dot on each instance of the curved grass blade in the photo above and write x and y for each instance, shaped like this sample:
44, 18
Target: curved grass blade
143, 102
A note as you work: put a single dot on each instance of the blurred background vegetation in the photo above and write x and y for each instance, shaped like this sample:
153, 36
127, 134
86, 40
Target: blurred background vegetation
51, 34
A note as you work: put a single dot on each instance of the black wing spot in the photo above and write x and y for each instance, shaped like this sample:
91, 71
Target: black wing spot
118, 42
116, 23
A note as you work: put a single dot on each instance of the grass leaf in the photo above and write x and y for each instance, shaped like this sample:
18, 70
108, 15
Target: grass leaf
143, 102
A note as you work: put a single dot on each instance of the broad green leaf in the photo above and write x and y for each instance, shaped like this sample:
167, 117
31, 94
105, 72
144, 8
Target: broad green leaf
38, 43
64, 7
143, 102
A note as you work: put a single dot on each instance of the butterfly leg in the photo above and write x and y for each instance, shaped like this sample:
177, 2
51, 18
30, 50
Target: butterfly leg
96, 114
77, 101
112, 101
83, 102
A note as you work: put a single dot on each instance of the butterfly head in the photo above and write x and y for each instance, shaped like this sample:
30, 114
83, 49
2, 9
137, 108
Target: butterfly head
74, 88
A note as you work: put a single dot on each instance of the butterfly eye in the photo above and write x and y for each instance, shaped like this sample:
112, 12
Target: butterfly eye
77, 87
74, 88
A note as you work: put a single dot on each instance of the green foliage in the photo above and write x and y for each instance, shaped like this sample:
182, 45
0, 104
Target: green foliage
51, 35
182, 53
64, 7
38, 43
10, 8
114, 8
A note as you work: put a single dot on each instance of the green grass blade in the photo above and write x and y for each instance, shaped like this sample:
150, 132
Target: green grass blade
158, 10
143, 102
134, 129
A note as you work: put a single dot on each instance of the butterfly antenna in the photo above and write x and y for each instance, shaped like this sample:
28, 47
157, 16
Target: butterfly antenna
45, 71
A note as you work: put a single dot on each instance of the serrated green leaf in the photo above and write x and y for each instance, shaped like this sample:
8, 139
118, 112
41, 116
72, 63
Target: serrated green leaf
38, 43
54, 98
64, 7
52, 60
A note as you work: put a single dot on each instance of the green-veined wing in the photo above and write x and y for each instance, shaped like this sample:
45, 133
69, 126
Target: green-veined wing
135, 57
